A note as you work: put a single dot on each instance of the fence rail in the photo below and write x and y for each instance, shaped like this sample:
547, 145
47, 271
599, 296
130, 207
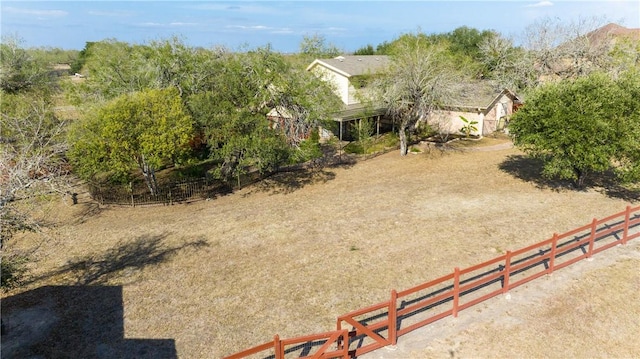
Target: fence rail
381, 324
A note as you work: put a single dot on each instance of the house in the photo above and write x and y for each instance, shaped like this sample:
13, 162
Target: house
478, 102
351, 77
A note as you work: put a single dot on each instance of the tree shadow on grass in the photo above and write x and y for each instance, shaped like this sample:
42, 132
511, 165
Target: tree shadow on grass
142, 252
291, 179
607, 184
530, 170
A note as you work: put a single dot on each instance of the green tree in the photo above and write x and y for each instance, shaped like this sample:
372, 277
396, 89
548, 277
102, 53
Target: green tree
19, 70
114, 68
143, 130
362, 131
583, 126
232, 113
316, 47
466, 41
365, 50
384, 48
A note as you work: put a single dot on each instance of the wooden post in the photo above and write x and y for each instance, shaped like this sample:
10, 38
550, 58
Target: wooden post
552, 259
277, 345
507, 272
627, 217
592, 237
345, 339
393, 318
341, 342
456, 291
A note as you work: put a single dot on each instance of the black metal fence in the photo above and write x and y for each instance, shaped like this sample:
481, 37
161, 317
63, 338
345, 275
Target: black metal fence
167, 194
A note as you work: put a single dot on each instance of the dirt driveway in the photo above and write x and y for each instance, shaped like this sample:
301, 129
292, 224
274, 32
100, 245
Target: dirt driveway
289, 255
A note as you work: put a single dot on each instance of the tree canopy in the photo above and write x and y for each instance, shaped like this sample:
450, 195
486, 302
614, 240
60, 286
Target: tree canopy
583, 126
316, 46
232, 113
144, 130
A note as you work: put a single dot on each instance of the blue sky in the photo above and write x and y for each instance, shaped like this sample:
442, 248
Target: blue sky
347, 24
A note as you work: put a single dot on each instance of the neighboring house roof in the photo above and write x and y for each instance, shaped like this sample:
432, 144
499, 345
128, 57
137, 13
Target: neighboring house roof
349, 66
613, 32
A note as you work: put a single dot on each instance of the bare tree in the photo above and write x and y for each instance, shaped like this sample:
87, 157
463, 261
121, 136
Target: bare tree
420, 79
31, 158
510, 66
565, 50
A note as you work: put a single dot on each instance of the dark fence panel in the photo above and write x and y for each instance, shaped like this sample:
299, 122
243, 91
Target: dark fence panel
174, 192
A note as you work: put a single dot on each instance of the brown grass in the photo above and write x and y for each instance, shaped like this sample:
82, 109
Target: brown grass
289, 255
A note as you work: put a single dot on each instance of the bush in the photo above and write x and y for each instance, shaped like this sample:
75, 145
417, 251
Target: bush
308, 149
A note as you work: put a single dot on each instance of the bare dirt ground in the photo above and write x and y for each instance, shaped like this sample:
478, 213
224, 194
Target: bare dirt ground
290, 254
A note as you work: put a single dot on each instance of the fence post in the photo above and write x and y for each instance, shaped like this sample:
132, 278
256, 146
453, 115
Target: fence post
277, 345
456, 291
345, 339
592, 237
507, 273
552, 259
393, 318
133, 203
627, 217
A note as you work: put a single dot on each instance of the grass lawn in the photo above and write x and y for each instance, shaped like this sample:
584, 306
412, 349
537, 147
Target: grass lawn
288, 255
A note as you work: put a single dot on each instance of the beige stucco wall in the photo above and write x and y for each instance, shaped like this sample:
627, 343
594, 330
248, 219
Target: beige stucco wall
502, 108
340, 83
449, 122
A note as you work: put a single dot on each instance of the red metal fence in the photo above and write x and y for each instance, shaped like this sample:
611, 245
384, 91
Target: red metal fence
381, 324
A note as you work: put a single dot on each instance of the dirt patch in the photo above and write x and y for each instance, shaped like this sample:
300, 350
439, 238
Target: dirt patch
290, 257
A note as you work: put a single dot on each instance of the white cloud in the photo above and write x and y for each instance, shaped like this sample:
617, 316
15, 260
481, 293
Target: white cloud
51, 13
254, 27
110, 13
283, 31
167, 25
183, 24
541, 4
257, 28
150, 24
238, 8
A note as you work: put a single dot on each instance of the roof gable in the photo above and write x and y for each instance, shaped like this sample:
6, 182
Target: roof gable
350, 66
480, 95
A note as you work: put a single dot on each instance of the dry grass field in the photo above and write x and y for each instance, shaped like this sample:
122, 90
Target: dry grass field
290, 254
